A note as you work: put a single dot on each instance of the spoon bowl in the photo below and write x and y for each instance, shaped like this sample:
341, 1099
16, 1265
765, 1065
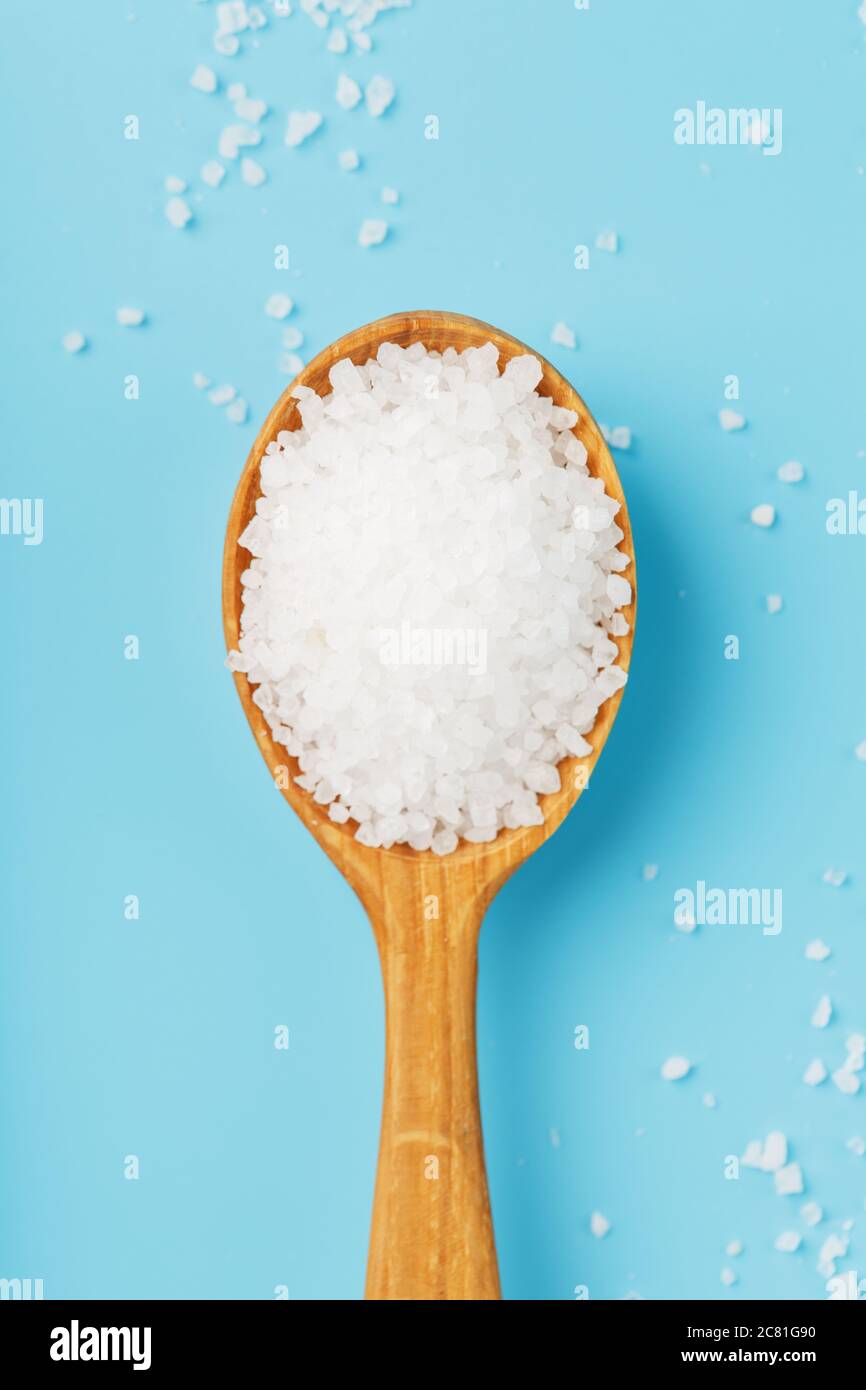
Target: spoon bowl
432, 1235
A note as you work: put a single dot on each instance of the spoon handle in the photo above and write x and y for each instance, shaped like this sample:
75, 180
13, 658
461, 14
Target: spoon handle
432, 1235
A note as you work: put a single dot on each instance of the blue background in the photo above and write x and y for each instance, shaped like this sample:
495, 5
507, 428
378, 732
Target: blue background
155, 1037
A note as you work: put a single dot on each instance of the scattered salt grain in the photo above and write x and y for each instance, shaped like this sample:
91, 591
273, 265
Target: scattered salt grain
789, 1180
675, 1068
709, 1100
278, 306
213, 173
373, 232
607, 241
860, 751
617, 436
774, 603
856, 1144
301, 125
763, 515
734, 1248
381, 549
835, 877
788, 1241
252, 173
292, 337
815, 1073
204, 79
563, 335
817, 950
728, 1277
233, 138
250, 109
811, 1213
348, 92
200, 381
290, 364
649, 871
337, 41
221, 395
173, 184
130, 318
237, 411
823, 1012
178, 212
730, 420
790, 472
774, 1152
348, 160
74, 341
390, 195
378, 95
598, 1225
846, 1081
226, 44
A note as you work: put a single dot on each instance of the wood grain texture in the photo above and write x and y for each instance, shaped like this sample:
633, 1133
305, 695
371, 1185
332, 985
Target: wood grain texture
432, 1236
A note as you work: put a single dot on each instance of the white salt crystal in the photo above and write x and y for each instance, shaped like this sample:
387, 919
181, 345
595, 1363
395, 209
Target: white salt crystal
847, 1081
221, 395
649, 872
250, 109
252, 173
607, 241
860, 751
728, 1277
790, 472
348, 160
204, 79
788, 1180
775, 1151
563, 335
301, 125
730, 420
815, 1073
389, 195
233, 138
734, 1248
74, 341
173, 184
823, 1012
226, 44
675, 1068
278, 306
337, 41
200, 380
232, 17
774, 603
835, 877
236, 91
237, 411
763, 515
817, 950
378, 94
213, 173
292, 337
348, 92
178, 212
598, 1225
709, 1100
857, 1145
290, 364
130, 318
373, 232
788, 1241
811, 1213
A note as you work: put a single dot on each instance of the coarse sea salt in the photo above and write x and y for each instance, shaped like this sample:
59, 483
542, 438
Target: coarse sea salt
348, 160
428, 613
372, 232
178, 212
301, 125
730, 420
204, 79
73, 341
378, 95
129, 317
278, 305
252, 173
348, 92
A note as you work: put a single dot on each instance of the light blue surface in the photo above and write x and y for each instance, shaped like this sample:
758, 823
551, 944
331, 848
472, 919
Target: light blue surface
155, 1038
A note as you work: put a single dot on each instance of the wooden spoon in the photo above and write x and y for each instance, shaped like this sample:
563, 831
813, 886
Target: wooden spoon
432, 1235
